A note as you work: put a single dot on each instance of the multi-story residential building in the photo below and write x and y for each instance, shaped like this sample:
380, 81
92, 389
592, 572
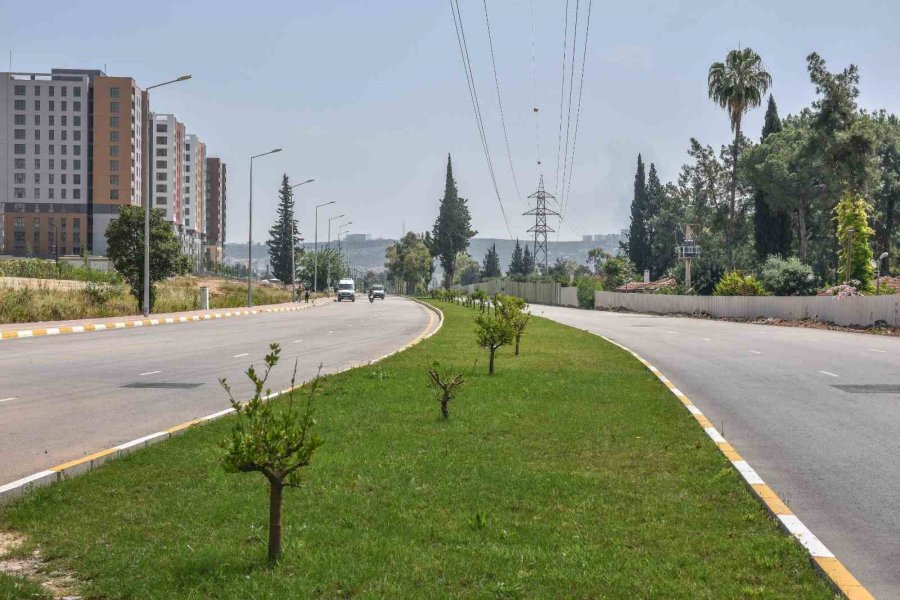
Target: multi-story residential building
44, 182
167, 168
216, 194
194, 195
119, 135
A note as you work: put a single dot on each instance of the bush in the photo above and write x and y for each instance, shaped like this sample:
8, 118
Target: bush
787, 277
36, 268
735, 284
586, 287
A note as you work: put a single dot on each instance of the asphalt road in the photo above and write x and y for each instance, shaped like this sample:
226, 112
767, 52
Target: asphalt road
63, 397
832, 454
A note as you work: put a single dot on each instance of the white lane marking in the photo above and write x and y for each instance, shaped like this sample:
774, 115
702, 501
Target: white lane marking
241, 355
141, 440
297, 341
754, 351
750, 476
830, 374
331, 331
714, 435
8, 399
707, 340
877, 350
693, 410
149, 373
671, 332
805, 536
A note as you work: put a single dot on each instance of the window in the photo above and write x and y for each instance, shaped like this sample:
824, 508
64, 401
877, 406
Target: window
161, 176
161, 188
76, 194
161, 152
20, 90
52, 120
37, 163
64, 133
114, 121
161, 200
161, 164
64, 105
37, 178
19, 178
76, 121
113, 107
19, 119
113, 92
76, 106
52, 104
62, 149
77, 92
113, 150
37, 193
63, 120
51, 164
19, 163
187, 211
37, 134
19, 134
37, 149
114, 165
161, 128
51, 178
114, 136
161, 139
52, 90
62, 179
187, 168
50, 194
76, 135
113, 180
37, 105
64, 90
19, 193
19, 105
37, 120
76, 164
62, 194
52, 149
19, 149
76, 149
114, 194
76, 179
187, 147
187, 178
37, 90
62, 164
52, 134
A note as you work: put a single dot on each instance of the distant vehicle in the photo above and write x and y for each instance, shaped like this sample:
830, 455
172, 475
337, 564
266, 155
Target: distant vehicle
346, 290
376, 291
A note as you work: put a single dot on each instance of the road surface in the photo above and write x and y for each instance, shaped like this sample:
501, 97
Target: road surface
832, 453
63, 397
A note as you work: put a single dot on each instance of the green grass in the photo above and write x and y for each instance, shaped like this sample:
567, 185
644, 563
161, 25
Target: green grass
17, 588
571, 473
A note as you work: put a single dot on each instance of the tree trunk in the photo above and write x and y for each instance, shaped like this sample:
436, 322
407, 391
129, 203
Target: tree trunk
804, 237
732, 203
491, 366
444, 410
276, 488
518, 337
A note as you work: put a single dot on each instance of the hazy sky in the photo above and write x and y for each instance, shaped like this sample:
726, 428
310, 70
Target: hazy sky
369, 97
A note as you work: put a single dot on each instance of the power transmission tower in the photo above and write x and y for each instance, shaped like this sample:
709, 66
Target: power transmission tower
540, 212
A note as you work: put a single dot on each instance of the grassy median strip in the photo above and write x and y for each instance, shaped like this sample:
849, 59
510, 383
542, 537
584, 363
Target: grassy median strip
571, 473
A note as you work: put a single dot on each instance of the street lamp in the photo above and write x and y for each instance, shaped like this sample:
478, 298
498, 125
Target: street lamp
146, 115
328, 246
316, 257
250, 232
293, 250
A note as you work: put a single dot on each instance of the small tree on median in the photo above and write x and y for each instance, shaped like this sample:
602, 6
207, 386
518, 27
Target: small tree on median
446, 382
276, 443
513, 309
493, 333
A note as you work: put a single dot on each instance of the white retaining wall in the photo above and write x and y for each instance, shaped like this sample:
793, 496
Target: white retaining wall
859, 310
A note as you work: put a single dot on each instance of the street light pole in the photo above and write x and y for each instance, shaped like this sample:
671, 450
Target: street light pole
250, 231
294, 250
328, 247
150, 190
316, 246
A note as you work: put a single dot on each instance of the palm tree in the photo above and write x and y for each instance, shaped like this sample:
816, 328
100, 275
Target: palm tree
737, 85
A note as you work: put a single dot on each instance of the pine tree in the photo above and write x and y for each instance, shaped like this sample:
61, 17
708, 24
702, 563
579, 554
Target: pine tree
452, 228
638, 245
656, 198
516, 265
771, 226
527, 261
284, 239
490, 268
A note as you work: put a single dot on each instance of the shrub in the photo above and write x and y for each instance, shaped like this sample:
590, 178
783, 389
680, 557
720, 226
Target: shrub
586, 287
735, 284
845, 290
513, 309
787, 277
493, 333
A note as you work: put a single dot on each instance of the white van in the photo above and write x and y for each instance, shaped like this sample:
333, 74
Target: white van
346, 290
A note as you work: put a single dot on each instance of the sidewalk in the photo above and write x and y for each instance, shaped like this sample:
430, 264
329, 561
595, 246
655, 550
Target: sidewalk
12, 331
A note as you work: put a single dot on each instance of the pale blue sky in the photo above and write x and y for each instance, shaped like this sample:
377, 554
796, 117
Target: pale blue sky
369, 97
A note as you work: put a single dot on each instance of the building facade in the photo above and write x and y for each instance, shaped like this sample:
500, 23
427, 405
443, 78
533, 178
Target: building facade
167, 167
194, 196
216, 194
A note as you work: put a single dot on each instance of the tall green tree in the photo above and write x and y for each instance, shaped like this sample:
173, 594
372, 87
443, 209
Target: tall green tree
887, 192
853, 230
284, 235
656, 199
771, 225
515, 264
330, 261
409, 261
125, 248
452, 229
527, 261
490, 267
737, 85
638, 244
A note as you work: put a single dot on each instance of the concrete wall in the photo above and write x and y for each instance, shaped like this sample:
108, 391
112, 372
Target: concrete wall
536, 293
860, 310
19, 283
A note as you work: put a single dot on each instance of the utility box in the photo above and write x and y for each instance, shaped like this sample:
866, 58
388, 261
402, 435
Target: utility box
204, 298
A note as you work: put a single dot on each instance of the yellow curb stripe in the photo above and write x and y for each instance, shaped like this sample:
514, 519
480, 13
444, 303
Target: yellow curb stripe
184, 425
82, 460
848, 584
771, 499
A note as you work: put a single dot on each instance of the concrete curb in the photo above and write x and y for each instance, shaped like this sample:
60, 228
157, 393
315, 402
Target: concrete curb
822, 558
149, 322
18, 488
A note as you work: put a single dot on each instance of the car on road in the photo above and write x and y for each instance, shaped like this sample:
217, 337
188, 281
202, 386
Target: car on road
346, 290
377, 291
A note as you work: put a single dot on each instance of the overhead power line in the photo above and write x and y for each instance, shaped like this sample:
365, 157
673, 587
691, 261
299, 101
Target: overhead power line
476, 107
569, 110
537, 119
562, 94
587, 31
512, 170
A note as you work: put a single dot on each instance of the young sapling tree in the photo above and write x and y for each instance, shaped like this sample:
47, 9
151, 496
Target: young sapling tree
493, 333
446, 382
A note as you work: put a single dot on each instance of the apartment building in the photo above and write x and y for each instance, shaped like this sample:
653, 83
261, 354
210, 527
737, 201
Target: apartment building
216, 194
194, 196
167, 168
44, 156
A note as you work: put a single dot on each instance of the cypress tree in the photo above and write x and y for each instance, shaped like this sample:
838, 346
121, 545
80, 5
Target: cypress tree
638, 245
515, 265
527, 261
281, 242
771, 226
490, 267
452, 228
656, 197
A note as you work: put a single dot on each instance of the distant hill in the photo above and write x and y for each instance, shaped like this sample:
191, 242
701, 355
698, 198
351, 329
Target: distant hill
369, 254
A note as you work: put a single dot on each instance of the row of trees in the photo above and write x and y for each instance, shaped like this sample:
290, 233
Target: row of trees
817, 184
